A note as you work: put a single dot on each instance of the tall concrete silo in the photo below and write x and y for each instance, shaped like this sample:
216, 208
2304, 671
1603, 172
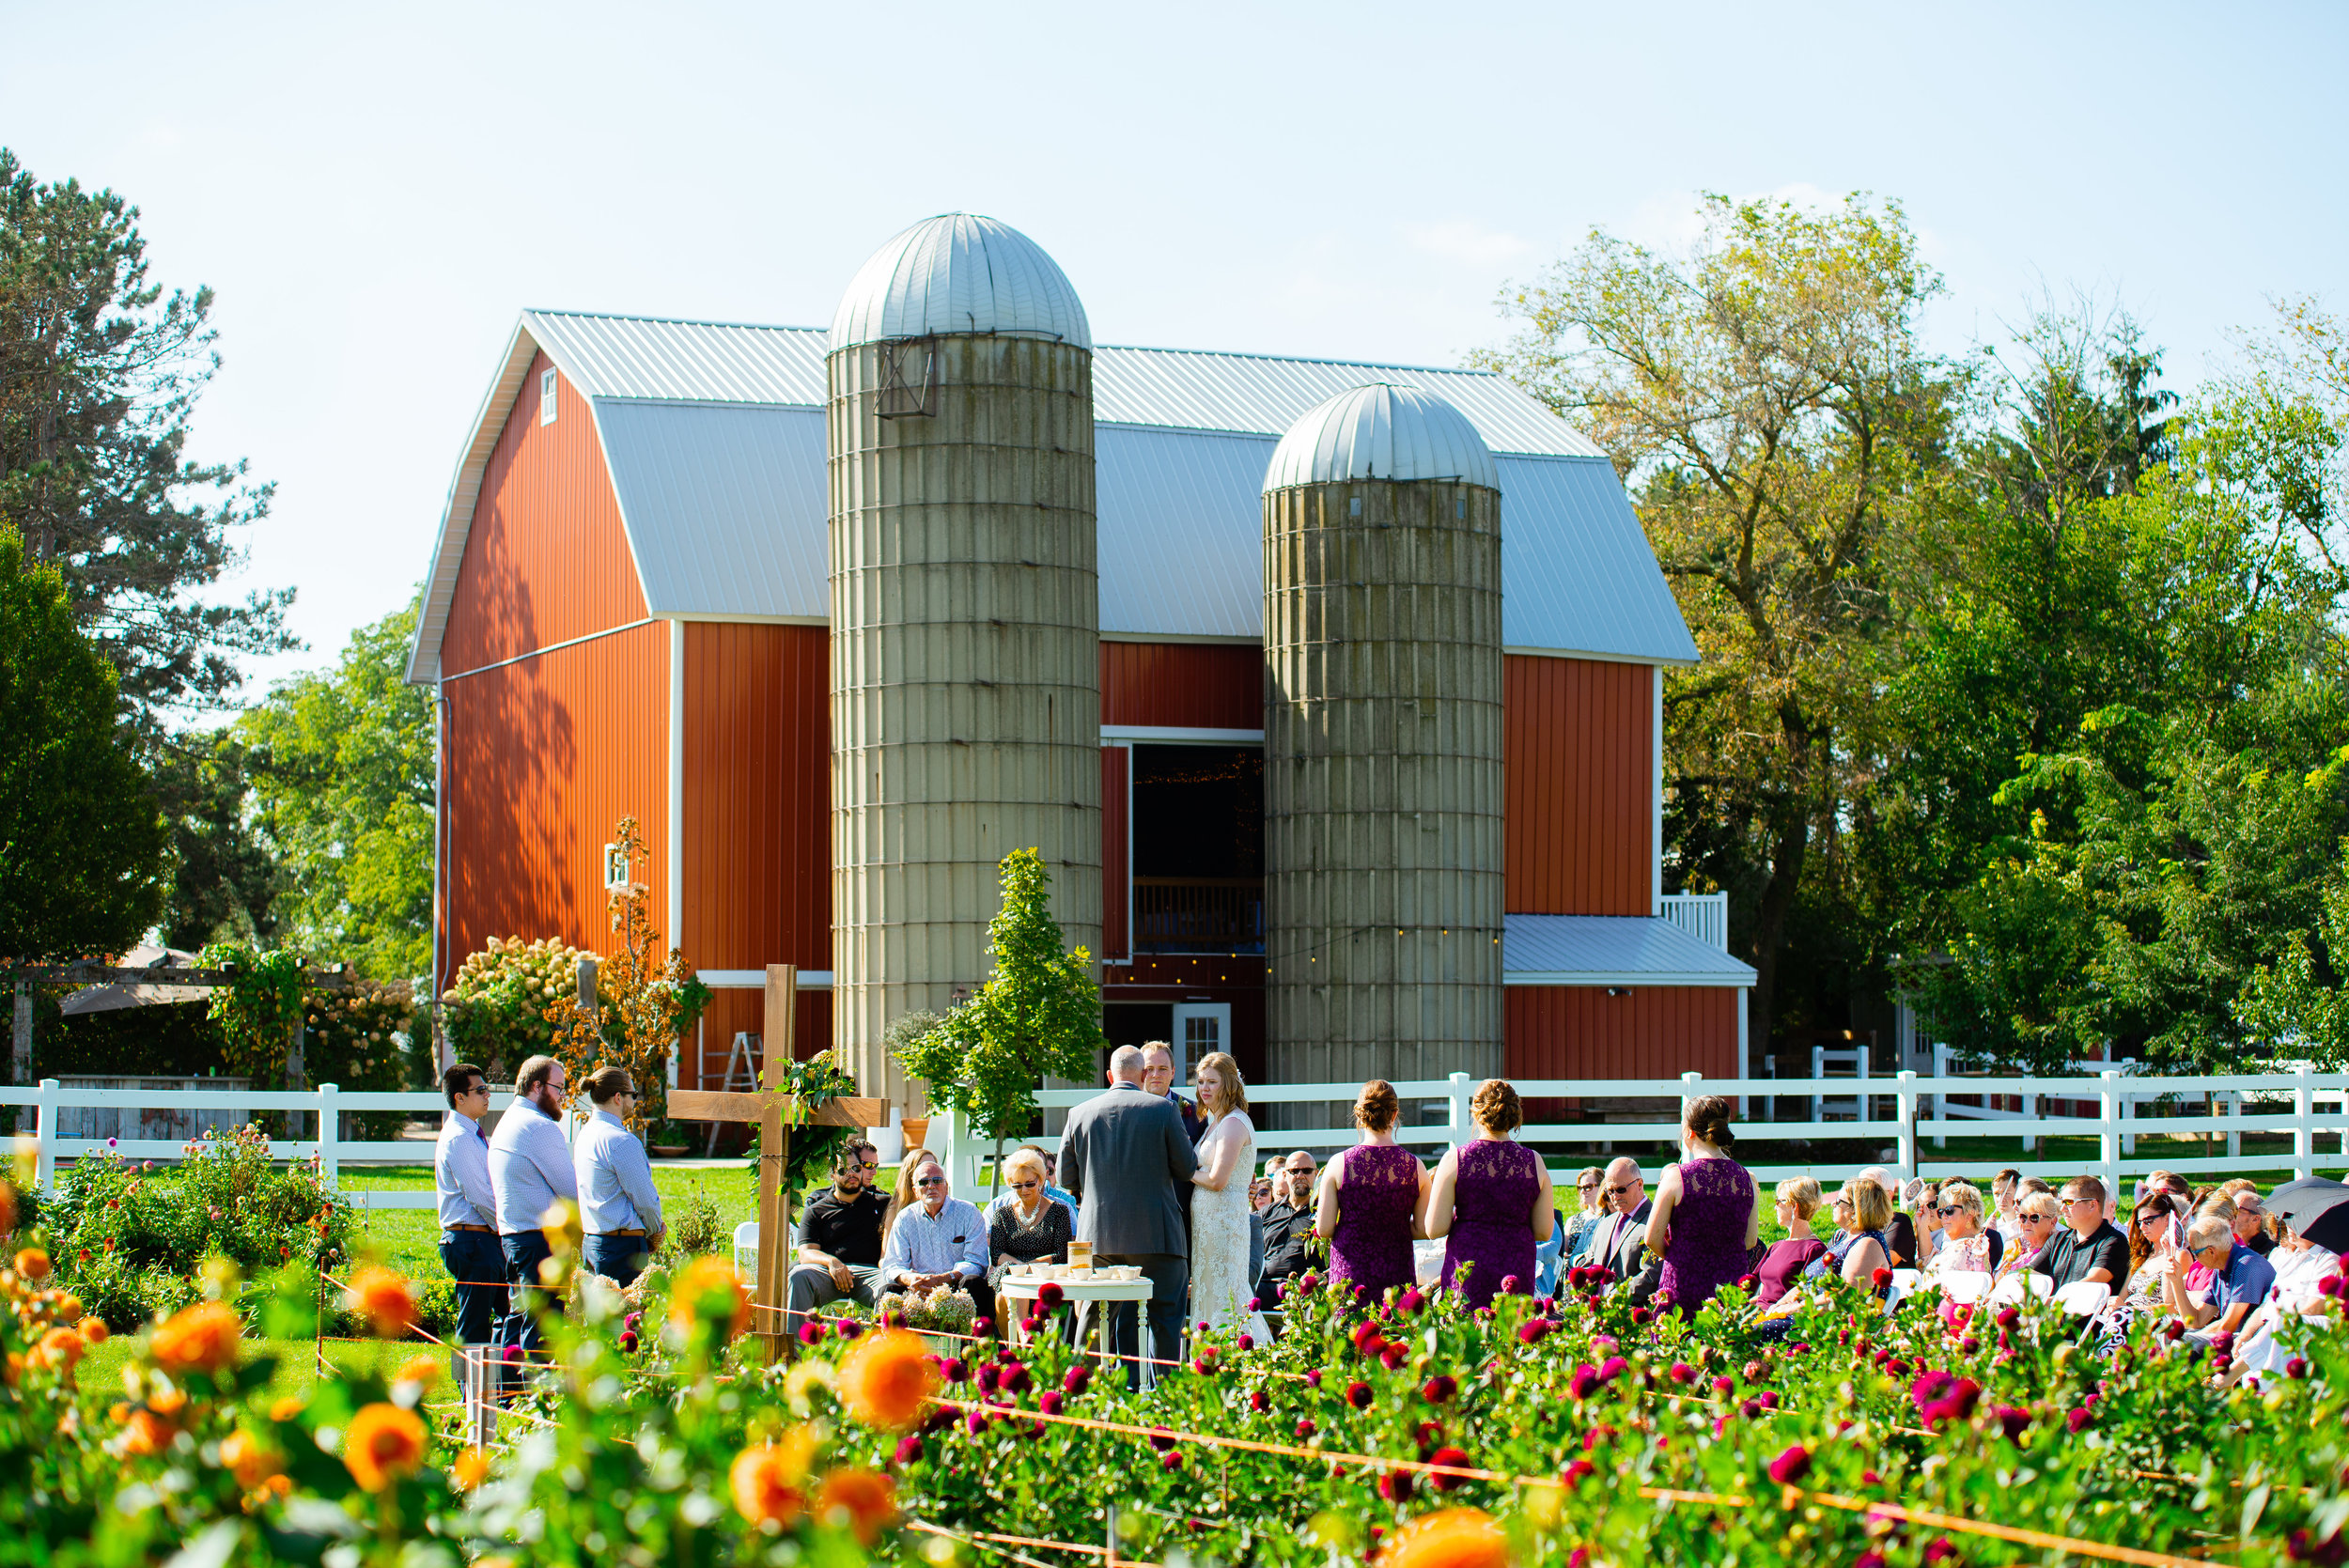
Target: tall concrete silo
1383, 786
966, 706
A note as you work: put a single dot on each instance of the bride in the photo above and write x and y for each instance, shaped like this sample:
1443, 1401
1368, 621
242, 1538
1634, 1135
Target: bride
1220, 1287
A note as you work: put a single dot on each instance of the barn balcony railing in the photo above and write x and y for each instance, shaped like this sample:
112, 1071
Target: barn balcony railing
1198, 914
1703, 915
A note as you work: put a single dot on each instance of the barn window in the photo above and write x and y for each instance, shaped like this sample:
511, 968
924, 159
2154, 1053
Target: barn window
616, 867
546, 397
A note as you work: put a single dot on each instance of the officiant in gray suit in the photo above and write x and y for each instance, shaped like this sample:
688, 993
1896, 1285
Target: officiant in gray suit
1124, 1155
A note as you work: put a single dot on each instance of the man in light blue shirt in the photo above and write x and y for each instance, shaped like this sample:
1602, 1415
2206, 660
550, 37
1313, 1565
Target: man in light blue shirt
940, 1241
618, 1207
530, 1167
468, 1211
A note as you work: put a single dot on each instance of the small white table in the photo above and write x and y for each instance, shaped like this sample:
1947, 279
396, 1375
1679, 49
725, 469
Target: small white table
1074, 1288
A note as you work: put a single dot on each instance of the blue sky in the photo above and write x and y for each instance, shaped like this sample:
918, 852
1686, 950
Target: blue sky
376, 193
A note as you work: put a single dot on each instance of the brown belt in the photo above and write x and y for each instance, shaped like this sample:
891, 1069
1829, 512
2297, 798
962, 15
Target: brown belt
483, 1228
617, 1232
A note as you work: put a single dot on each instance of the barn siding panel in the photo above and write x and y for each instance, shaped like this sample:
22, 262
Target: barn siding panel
547, 558
1651, 1031
731, 1012
541, 758
1208, 686
1117, 867
1580, 768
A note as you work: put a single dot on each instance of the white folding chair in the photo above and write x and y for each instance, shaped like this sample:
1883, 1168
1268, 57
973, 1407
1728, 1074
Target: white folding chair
1965, 1286
2021, 1283
746, 1247
2084, 1297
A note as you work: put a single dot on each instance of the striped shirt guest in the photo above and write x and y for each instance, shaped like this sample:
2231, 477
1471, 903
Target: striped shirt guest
530, 1168
618, 1207
469, 1234
940, 1240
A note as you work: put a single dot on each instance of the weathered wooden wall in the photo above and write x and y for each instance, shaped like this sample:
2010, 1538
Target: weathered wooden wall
1647, 1032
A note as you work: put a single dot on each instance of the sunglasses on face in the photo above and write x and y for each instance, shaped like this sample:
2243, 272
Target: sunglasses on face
1951, 1209
1620, 1190
1027, 1186
929, 1181
1586, 1187
1843, 1202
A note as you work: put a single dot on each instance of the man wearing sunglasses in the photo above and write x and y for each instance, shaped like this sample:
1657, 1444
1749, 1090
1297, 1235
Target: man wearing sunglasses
618, 1208
840, 1237
940, 1241
1623, 1233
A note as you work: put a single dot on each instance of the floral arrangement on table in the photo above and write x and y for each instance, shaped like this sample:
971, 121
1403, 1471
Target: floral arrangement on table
944, 1310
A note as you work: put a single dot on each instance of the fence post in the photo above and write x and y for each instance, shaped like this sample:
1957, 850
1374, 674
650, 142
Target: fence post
45, 1132
1460, 1100
329, 1132
1688, 1084
2128, 1113
1818, 1071
1906, 1096
2303, 1123
2108, 1134
2234, 1108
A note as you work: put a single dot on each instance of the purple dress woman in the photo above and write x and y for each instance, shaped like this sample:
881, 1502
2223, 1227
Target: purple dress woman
1378, 1188
1708, 1247
1492, 1225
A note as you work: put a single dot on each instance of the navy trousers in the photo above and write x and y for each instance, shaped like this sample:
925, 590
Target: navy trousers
518, 1328
617, 1257
477, 1264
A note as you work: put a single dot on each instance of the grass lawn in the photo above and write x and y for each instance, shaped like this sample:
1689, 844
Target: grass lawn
297, 1361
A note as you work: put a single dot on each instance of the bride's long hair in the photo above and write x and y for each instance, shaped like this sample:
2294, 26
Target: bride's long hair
1227, 1072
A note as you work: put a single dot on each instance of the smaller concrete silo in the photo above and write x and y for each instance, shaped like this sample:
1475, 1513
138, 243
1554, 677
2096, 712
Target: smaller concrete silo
1383, 788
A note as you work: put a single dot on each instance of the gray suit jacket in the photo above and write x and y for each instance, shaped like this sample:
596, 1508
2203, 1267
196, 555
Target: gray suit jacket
1124, 1155
1626, 1256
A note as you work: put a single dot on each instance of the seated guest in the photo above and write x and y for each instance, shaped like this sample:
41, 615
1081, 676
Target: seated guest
940, 1240
618, 1209
1915, 1200
1588, 1209
903, 1196
2154, 1255
2037, 1220
2240, 1279
1965, 1247
2088, 1247
1288, 1230
2005, 1202
1033, 1226
1900, 1232
1798, 1200
2251, 1221
2299, 1263
1618, 1242
1863, 1213
1057, 1193
840, 1237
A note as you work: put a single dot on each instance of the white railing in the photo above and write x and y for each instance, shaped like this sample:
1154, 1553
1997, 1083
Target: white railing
1703, 915
2112, 1092
324, 1105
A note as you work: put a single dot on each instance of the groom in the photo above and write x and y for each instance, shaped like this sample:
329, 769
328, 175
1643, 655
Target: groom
1125, 1157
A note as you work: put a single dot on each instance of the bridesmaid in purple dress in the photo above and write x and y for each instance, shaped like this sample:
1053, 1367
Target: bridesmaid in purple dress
1368, 1197
1491, 1197
1702, 1221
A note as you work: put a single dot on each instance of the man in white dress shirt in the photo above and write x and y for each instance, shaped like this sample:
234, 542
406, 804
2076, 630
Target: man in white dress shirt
618, 1207
468, 1222
530, 1168
940, 1241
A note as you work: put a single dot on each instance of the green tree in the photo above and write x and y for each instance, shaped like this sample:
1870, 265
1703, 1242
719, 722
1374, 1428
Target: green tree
82, 843
1784, 440
225, 878
99, 372
1039, 1014
341, 766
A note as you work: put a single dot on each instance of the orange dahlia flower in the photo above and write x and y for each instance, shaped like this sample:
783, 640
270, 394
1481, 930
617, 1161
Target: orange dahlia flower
471, 1469
33, 1263
94, 1329
146, 1433
385, 1299
1453, 1538
249, 1459
60, 1349
765, 1490
383, 1444
67, 1309
888, 1378
710, 1287
199, 1338
862, 1501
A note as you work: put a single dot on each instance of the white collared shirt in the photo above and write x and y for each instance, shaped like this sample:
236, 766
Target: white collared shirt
460, 1173
530, 1167
615, 1190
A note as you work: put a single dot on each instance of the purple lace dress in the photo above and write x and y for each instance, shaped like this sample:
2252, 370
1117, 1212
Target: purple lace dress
1707, 1248
1379, 1189
1492, 1229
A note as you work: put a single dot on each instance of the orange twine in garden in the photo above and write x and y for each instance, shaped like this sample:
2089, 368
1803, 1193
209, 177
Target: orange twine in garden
1657, 1494
982, 1538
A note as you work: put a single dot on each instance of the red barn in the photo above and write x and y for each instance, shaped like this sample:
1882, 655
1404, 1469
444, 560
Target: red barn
628, 615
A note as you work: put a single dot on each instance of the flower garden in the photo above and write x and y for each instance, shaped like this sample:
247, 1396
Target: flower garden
1575, 1431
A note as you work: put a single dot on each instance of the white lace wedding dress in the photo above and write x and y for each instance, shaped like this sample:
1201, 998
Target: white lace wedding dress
1220, 1287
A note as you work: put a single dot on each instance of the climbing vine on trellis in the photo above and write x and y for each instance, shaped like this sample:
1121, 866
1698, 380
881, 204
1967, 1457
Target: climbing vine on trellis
257, 1009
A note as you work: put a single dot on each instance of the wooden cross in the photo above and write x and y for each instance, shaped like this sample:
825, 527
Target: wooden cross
769, 1108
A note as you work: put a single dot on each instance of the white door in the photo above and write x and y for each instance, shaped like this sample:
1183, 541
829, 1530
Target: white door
1199, 1027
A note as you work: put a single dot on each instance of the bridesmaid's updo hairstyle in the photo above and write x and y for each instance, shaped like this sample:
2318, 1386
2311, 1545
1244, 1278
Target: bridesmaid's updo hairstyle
1708, 1119
1497, 1108
1377, 1106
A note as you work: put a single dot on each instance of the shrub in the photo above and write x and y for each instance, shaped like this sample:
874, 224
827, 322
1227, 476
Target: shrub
694, 1227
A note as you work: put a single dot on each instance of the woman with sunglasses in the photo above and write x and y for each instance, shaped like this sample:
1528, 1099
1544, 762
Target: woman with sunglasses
2154, 1255
2037, 1218
1034, 1227
1965, 1247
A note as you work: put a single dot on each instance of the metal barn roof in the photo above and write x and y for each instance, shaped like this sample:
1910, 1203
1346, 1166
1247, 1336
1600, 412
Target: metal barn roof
1381, 431
959, 273
1610, 950
714, 437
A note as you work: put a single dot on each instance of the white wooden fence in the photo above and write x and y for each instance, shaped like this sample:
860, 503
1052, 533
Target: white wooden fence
2281, 1102
2114, 1126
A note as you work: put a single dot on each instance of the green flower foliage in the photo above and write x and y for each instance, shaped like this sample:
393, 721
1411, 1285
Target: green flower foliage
1038, 1013
257, 1010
